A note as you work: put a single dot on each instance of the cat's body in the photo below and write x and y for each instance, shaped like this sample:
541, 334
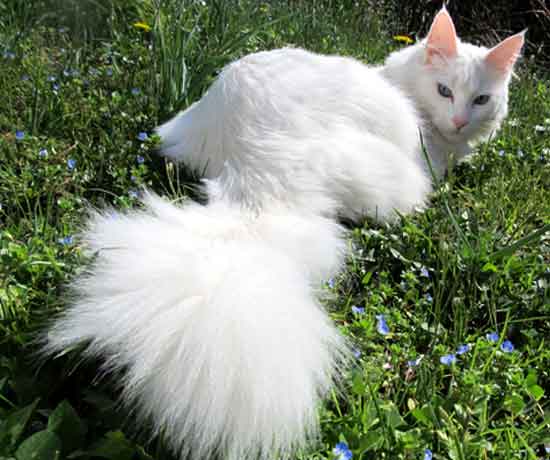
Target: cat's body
289, 124
211, 313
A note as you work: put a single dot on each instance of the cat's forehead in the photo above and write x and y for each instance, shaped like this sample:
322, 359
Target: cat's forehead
469, 72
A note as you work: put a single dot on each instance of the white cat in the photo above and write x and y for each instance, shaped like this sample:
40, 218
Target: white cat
280, 123
211, 313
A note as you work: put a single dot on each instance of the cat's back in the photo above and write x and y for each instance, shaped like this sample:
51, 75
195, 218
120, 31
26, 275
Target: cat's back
293, 90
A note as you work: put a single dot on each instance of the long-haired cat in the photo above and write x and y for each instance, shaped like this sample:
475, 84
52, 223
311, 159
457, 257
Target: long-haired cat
211, 313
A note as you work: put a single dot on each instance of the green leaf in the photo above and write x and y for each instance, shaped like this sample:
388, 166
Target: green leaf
115, 446
12, 426
67, 424
43, 445
536, 392
514, 403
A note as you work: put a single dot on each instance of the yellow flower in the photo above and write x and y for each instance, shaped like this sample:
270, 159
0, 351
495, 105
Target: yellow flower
142, 25
404, 39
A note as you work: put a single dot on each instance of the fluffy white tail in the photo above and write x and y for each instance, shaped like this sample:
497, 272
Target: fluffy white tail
212, 317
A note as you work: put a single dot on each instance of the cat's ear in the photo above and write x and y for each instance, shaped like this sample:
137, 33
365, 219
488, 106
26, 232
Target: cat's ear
503, 56
441, 40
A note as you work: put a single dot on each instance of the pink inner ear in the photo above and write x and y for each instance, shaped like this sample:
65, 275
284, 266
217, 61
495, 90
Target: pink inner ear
503, 56
441, 39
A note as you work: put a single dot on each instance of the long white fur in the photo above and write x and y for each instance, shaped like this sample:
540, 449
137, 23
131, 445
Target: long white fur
211, 312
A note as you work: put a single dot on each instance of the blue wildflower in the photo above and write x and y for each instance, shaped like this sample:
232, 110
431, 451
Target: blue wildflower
133, 178
331, 283
356, 352
413, 362
501, 153
463, 349
71, 163
20, 135
428, 454
62, 30
109, 72
382, 326
507, 346
55, 87
448, 359
142, 136
51, 78
357, 310
43, 153
424, 272
429, 298
133, 194
492, 337
135, 91
342, 452
66, 240
520, 153
140, 159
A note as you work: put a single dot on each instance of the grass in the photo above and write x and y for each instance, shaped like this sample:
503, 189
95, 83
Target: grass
81, 92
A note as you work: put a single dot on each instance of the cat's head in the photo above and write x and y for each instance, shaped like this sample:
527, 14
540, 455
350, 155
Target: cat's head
462, 89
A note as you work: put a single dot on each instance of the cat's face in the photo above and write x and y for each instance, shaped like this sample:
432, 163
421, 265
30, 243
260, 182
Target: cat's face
461, 88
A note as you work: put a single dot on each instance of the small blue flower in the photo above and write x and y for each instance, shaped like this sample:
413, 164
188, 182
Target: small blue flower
135, 91
492, 337
62, 30
428, 454
429, 298
330, 283
66, 73
501, 153
463, 349
133, 194
382, 326
358, 310
357, 353
51, 78
140, 160
342, 451
413, 362
66, 240
43, 153
142, 136
25, 77
507, 346
109, 72
133, 178
20, 135
424, 272
520, 153
55, 87
448, 359
71, 163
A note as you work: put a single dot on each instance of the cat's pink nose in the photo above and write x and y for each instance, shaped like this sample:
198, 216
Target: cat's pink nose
459, 122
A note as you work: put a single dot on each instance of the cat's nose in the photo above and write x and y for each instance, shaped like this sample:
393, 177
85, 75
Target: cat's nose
460, 122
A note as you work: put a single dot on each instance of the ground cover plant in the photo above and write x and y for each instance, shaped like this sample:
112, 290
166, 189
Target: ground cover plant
448, 309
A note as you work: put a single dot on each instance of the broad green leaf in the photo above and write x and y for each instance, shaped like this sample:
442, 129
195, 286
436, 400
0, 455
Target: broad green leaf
12, 427
43, 445
67, 424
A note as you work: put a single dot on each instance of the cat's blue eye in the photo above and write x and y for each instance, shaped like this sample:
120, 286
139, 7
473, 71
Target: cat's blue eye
482, 99
444, 90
